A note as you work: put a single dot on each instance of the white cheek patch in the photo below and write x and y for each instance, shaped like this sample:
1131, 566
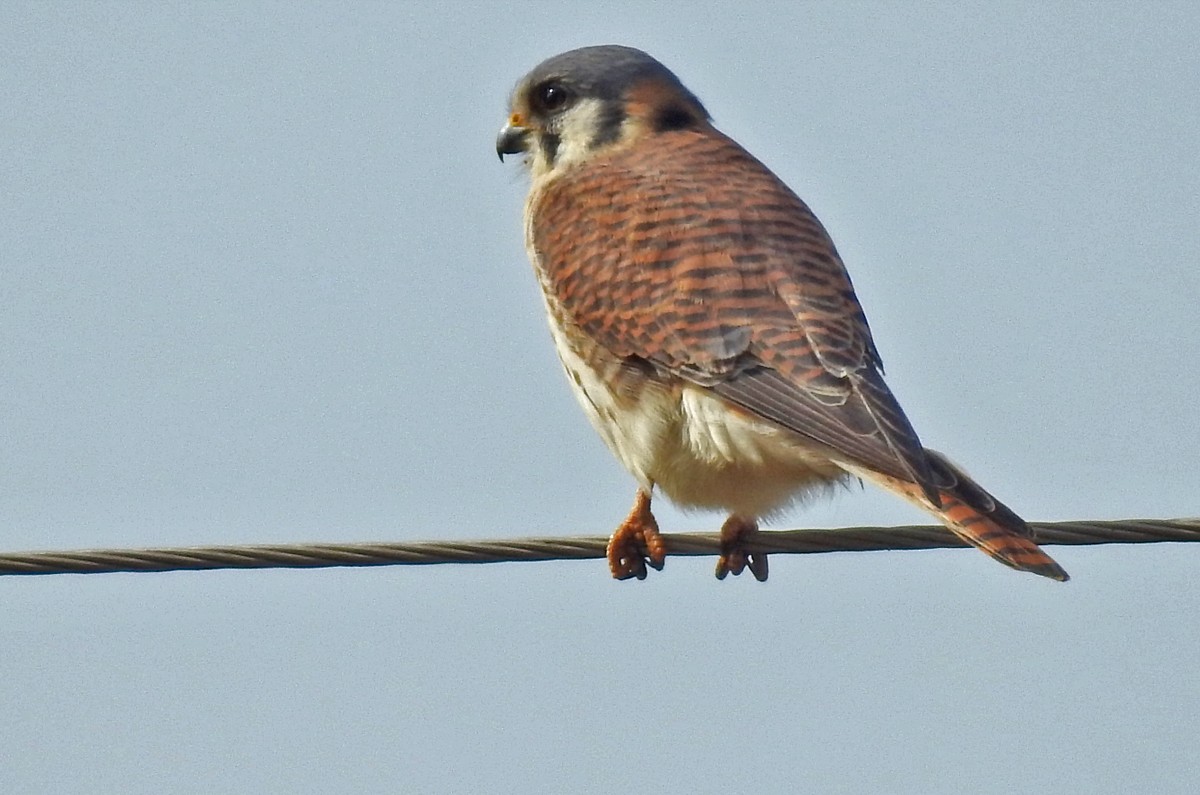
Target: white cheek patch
576, 130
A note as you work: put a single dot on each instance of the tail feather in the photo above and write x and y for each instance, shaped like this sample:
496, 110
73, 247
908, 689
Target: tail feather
973, 515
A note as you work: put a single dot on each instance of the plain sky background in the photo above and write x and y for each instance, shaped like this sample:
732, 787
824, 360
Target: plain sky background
262, 279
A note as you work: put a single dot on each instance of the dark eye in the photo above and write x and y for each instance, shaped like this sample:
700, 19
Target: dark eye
552, 97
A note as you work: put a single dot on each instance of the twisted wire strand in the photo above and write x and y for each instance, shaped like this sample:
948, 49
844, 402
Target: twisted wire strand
809, 541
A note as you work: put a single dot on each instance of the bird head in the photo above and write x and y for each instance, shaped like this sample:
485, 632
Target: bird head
581, 102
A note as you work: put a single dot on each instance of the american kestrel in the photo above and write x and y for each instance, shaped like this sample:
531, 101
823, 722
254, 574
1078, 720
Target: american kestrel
705, 320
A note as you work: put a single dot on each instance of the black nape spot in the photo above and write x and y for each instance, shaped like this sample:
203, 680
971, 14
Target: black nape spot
673, 117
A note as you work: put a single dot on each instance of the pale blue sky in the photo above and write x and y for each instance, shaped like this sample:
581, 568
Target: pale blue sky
263, 280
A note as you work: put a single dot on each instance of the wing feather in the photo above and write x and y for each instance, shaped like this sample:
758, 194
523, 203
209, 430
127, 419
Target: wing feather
686, 252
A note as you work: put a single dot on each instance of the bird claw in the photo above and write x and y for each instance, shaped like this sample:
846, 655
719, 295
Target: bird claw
735, 558
636, 544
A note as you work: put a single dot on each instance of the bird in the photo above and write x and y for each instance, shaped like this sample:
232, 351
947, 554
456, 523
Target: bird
706, 322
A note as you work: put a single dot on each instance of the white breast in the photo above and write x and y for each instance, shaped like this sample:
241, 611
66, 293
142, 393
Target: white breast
697, 449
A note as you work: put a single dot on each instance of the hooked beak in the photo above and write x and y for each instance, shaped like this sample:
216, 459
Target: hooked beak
512, 139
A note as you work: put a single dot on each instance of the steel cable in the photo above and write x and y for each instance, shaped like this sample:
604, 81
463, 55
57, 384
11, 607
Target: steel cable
809, 541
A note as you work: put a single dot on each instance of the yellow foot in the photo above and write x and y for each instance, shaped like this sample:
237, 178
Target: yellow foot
636, 543
735, 534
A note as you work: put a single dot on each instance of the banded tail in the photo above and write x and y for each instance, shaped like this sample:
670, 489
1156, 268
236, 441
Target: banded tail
973, 515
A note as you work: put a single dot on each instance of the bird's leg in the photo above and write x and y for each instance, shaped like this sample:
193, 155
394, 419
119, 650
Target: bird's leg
636, 542
736, 531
